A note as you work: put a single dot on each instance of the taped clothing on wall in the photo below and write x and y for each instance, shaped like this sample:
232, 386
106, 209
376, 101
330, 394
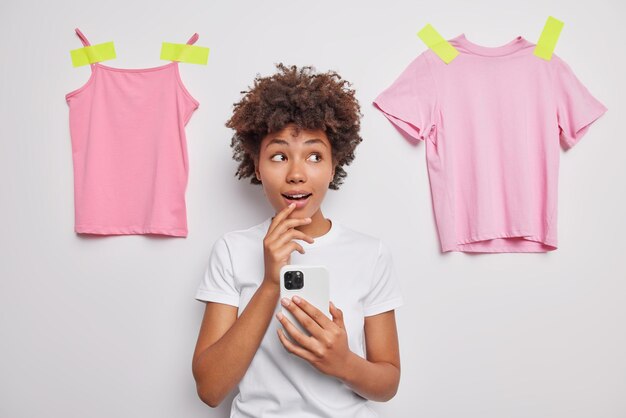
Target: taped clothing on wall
492, 120
129, 150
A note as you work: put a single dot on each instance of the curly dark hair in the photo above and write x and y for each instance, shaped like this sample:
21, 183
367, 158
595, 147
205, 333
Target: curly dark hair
307, 99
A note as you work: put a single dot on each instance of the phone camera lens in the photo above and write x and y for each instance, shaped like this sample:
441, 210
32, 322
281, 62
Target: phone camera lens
298, 281
294, 280
289, 280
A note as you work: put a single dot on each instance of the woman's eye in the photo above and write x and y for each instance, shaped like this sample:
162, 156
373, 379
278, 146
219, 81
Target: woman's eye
319, 157
277, 155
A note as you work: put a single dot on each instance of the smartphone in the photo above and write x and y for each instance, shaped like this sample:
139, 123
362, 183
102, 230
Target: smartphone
308, 282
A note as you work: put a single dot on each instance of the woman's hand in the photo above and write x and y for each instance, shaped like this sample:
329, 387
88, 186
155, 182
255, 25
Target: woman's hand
327, 346
278, 243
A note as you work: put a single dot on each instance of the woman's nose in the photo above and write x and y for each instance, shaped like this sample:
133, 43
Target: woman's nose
296, 173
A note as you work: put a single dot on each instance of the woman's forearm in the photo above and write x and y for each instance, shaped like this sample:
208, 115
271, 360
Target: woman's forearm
220, 367
375, 381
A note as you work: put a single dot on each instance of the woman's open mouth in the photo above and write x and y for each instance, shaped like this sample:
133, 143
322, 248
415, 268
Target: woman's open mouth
300, 199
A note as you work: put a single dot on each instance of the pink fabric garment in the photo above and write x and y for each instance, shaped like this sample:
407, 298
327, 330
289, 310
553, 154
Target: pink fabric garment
492, 120
129, 150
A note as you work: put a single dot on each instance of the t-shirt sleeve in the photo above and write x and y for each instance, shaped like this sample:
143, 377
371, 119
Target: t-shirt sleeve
577, 109
218, 283
409, 103
384, 294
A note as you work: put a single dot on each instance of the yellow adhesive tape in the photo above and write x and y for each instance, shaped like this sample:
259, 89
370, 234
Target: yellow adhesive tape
92, 53
191, 54
440, 46
548, 39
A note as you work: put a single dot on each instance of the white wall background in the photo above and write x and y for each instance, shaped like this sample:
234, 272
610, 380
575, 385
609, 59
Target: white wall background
105, 327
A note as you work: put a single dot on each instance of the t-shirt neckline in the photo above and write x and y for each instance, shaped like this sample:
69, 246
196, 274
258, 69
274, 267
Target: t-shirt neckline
518, 43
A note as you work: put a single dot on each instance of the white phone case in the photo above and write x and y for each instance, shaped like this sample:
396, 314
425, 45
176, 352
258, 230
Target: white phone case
315, 289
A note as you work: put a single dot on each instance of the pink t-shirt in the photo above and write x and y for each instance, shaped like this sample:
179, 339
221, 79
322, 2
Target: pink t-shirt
129, 150
492, 120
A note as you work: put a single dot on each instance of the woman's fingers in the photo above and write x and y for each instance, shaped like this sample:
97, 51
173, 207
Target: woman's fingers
293, 234
304, 340
288, 226
291, 247
337, 315
293, 348
283, 214
304, 308
307, 321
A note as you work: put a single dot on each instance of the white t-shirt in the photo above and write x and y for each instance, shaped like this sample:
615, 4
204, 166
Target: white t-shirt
362, 283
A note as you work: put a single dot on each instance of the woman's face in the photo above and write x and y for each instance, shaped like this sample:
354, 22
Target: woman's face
290, 165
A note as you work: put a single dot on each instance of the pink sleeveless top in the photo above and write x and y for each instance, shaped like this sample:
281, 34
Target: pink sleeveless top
129, 150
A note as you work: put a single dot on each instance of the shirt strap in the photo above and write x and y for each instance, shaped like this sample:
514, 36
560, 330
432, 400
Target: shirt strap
193, 39
82, 37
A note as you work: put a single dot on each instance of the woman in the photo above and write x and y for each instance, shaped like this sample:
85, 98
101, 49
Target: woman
294, 131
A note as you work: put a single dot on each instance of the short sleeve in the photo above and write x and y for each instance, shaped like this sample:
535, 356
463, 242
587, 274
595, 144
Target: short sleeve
409, 102
577, 109
384, 293
218, 283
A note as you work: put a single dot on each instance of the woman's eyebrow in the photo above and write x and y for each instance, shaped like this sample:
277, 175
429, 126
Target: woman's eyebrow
315, 141
307, 142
